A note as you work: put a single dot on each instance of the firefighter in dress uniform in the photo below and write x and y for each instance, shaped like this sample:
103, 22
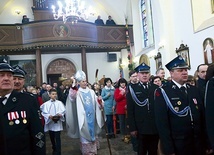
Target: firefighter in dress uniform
19, 78
21, 131
179, 113
140, 109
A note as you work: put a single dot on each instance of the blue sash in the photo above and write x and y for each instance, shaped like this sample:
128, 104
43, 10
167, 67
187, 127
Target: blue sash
181, 113
134, 97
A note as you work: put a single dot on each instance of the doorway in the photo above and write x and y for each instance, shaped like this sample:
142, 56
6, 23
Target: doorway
60, 68
54, 78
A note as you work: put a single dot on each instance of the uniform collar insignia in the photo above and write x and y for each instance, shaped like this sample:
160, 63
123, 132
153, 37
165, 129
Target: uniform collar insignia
173, 86
14, 99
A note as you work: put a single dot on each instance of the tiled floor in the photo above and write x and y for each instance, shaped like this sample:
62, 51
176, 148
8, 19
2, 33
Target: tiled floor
71, 146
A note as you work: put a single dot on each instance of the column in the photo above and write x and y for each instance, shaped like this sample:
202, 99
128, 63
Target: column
84, 63
38, 68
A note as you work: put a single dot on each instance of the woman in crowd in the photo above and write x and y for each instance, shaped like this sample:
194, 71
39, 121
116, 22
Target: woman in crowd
157, 80
120, 98
96, 88
109, 105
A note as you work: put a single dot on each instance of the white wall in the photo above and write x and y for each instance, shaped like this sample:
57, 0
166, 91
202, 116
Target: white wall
184, 31
47, 58
94, 61
172, 26
8, 15
99, 61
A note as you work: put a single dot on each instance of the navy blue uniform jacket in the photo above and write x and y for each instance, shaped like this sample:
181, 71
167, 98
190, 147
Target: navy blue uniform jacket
179, 134
141, 118
22, 136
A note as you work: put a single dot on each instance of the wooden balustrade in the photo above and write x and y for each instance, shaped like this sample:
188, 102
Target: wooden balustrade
52, 34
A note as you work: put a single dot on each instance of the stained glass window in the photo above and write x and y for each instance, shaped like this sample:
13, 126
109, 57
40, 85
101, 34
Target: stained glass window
147, 25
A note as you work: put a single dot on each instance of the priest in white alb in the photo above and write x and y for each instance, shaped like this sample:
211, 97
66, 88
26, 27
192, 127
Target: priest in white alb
83, 115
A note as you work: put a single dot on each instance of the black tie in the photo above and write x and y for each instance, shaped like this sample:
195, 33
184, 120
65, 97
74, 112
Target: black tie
145, 85
184, 91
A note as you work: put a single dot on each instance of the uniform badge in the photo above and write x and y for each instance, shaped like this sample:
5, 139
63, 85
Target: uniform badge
177, 109
173, 86
195, 101
39, 135
175, 98
40, 144
23, 115
14, 99
11, 123
179, 102
17, 121
24, 121
13, 116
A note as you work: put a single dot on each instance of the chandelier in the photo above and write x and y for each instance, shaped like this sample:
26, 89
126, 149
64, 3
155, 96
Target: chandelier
71, 11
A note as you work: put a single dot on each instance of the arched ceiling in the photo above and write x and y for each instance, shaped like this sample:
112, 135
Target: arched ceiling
119, 9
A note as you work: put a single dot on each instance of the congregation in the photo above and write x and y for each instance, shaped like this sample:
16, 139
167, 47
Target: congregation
171, 116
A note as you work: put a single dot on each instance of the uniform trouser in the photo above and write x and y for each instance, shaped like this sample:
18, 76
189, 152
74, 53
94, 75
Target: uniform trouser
147, 144
188, 146
56, 141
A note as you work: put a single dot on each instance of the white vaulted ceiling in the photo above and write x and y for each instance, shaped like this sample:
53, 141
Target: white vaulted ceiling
119, 10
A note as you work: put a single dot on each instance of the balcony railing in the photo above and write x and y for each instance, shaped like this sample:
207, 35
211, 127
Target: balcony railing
51, 34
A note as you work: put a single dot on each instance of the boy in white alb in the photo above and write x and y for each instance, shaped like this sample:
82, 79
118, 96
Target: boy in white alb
53, 112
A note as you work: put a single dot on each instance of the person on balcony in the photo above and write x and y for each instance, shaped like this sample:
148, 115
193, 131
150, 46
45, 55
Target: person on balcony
99, 21
110, 21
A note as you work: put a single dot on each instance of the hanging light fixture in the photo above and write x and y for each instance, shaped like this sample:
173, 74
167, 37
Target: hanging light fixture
71, 10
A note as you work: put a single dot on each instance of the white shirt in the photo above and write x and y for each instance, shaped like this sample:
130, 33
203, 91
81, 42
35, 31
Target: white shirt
53, 108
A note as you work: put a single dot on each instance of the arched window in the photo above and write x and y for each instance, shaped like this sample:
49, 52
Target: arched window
147, 25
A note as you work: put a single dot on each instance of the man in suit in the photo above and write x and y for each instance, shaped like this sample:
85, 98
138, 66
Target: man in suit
21, 131
140, 109
45, 95
179, 113
201, 81
161, 73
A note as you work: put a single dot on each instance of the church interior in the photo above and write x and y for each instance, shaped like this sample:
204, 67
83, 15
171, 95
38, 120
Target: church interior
57, 39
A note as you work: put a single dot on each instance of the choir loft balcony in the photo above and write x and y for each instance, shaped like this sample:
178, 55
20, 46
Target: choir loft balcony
51, 35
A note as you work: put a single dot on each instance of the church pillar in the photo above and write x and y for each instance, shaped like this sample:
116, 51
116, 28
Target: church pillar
38, 68
84, 63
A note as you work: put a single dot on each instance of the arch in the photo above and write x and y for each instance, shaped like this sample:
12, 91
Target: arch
60, 68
